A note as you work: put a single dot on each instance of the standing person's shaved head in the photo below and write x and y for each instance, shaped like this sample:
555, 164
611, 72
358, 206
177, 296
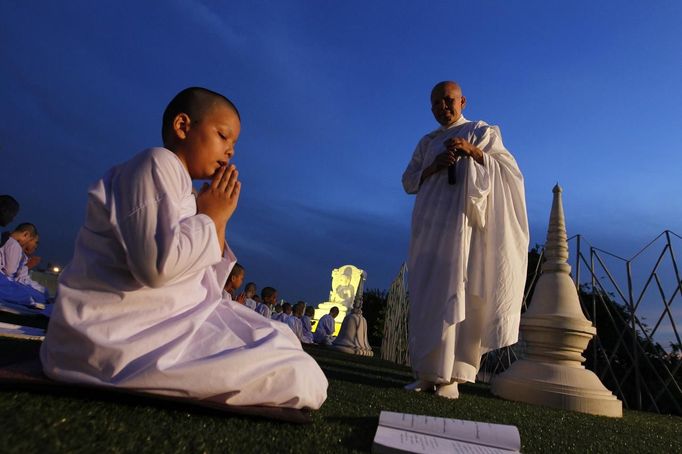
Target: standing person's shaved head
195, 102
447, 102
446, 83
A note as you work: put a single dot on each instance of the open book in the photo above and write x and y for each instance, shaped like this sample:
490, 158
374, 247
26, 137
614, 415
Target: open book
406, 433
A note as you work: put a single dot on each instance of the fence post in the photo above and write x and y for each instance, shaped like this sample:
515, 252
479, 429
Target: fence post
635, 350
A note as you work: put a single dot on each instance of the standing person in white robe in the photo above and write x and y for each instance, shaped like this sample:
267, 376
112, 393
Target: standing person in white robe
140, 305
468, 248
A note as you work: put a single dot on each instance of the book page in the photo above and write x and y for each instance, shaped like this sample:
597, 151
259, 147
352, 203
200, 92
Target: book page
389, 440
480, 433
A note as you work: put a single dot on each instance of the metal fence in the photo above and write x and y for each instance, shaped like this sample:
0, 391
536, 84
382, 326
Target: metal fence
636, 304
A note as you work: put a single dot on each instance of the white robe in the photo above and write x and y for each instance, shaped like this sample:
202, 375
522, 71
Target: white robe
307, 335
251, 304
325, 330
140, 306
281, 317
17, 285
264, 310
468, 251
296, 326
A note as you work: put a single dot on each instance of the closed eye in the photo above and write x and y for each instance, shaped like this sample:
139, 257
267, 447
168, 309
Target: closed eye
222, 136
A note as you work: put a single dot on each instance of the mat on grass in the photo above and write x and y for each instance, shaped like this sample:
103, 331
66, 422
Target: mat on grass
28, 374
21, 332
19, 309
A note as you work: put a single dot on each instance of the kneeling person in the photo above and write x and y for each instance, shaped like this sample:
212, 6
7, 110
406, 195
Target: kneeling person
140, 305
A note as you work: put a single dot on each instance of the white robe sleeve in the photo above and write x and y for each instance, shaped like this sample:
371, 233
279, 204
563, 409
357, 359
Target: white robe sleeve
12, 257
413, 173
160, 244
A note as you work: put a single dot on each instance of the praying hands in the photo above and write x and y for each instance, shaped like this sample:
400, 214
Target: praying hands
218, 200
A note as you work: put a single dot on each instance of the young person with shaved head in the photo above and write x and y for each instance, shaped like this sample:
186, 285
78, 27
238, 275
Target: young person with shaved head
140, 306
468, 246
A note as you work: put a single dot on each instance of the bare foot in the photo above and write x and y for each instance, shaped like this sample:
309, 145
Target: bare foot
420, 385
448, 391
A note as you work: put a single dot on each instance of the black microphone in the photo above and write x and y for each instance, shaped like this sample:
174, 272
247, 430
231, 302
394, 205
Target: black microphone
452, 168
452, 173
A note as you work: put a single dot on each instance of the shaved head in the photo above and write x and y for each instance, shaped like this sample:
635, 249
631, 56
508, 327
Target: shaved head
440, 87
447, 102
195, 102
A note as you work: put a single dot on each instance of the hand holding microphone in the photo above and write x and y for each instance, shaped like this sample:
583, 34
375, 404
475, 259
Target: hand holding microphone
456, 151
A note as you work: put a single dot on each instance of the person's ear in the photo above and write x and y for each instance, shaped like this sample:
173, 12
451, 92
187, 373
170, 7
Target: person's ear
181, 125
464, 102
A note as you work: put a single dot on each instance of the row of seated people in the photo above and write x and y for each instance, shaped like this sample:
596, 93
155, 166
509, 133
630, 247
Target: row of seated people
17, 249
298, 317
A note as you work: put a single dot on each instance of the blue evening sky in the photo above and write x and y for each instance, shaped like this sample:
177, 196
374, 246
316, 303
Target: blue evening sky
334, 97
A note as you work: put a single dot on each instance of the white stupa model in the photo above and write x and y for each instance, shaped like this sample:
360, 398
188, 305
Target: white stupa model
556, 333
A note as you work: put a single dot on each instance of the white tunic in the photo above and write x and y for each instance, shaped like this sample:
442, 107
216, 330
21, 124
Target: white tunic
12, 258
264, 310
17, 285
307, 336
251, 304
296, 326
140, 306
325, 329
468, 237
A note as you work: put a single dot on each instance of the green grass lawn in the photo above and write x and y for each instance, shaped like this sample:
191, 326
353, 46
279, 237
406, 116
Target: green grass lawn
359, 388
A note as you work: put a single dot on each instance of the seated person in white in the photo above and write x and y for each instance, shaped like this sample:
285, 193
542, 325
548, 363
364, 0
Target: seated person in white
140, 306
250, 293
269, 296
306, 321
15, 284
276, 311
285, 314
234, 281
30, 261
294, 320
324, 334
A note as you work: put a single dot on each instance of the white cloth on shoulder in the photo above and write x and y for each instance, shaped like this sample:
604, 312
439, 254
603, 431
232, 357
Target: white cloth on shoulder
140, 306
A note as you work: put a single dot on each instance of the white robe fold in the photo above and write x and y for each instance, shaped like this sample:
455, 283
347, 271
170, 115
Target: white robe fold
469, 245
140, 306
